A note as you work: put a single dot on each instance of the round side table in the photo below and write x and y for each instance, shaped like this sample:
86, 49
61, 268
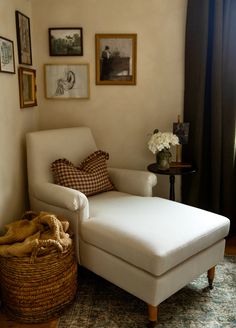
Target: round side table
172, 172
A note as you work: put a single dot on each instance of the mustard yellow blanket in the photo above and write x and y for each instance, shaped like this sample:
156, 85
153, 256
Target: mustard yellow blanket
35, 234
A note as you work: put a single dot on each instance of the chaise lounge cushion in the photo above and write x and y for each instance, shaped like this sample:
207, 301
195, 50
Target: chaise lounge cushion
170, 234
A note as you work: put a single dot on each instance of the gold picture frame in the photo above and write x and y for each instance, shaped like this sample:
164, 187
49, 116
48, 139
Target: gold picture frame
67, 81
27, 87
116, 59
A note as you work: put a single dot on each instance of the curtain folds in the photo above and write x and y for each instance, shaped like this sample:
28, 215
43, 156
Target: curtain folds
210, 106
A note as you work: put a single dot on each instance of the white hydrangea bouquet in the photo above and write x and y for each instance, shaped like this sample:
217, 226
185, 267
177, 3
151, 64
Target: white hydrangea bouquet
162, 140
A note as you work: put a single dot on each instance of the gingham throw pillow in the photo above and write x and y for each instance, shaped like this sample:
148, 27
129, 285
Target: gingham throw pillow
90, 177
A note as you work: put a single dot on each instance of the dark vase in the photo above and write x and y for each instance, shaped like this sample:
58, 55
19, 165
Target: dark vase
163, 159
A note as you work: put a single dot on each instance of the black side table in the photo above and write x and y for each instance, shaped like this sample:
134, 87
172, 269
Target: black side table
172, 172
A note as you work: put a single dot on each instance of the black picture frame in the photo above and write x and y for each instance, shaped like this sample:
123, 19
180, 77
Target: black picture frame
65, 41
23, 38
182, 132
7, 59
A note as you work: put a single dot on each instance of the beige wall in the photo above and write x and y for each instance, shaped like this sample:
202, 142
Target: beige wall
14, 123
121, 117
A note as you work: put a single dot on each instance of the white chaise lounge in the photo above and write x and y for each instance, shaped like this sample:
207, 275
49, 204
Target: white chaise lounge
149, 246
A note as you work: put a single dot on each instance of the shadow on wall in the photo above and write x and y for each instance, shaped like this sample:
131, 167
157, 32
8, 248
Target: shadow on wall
14, 199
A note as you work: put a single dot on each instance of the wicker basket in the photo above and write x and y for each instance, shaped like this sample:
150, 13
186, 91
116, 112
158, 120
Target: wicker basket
39, 291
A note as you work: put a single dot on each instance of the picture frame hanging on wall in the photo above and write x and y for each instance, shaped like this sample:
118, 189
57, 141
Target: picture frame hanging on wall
23, 38
116, 59
27, 87
65, 41
7, 59
67, 81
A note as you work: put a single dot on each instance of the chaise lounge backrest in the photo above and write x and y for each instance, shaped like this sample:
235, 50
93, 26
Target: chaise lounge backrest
44, 147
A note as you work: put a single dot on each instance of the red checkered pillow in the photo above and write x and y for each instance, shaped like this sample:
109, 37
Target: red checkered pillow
90, 177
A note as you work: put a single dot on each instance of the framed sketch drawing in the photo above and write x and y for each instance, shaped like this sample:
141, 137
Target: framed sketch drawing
66, 81
23, 38
65, 41
7, 60
116, 59
27, 87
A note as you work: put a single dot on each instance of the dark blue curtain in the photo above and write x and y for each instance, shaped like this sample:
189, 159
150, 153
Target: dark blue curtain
210, 106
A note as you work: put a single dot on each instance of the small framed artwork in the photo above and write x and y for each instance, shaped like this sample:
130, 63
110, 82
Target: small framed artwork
27, 86
182, 132
116, 59
7, 60
23, 38
65, 41
66, 81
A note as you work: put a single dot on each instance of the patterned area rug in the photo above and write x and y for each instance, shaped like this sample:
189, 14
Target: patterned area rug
100, 304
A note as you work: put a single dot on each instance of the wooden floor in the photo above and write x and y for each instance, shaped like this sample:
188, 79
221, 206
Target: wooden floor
5, 322
230, 248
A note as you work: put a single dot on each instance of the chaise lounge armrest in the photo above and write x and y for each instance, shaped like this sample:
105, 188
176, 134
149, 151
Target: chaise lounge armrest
60, 196
134, 182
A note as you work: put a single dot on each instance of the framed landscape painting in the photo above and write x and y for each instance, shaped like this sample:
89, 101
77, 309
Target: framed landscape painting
65, 41
7, 60
23, 38
116, 57
66, 81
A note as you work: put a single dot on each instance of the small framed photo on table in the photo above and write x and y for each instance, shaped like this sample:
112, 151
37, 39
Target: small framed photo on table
23, 38
7, 60
27, 87
182, 132
65, 41
66, 81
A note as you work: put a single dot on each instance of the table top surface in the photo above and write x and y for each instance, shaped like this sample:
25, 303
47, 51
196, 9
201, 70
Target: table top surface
172, 170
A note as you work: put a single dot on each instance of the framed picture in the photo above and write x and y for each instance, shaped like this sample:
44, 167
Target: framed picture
116, 59
7, 60
182, 132
23, 38
66, 81
65, 41
27, 86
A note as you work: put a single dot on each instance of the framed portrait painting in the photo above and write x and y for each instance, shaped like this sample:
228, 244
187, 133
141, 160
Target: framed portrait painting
65, 41
7, 60
182, 132
23, 38
116, 57
27, 87
66, 81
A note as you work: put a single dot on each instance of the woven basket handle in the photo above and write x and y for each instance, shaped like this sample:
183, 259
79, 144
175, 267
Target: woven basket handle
46, 244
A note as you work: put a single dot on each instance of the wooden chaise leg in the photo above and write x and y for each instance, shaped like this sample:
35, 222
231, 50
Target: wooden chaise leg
152, 315
211, 275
